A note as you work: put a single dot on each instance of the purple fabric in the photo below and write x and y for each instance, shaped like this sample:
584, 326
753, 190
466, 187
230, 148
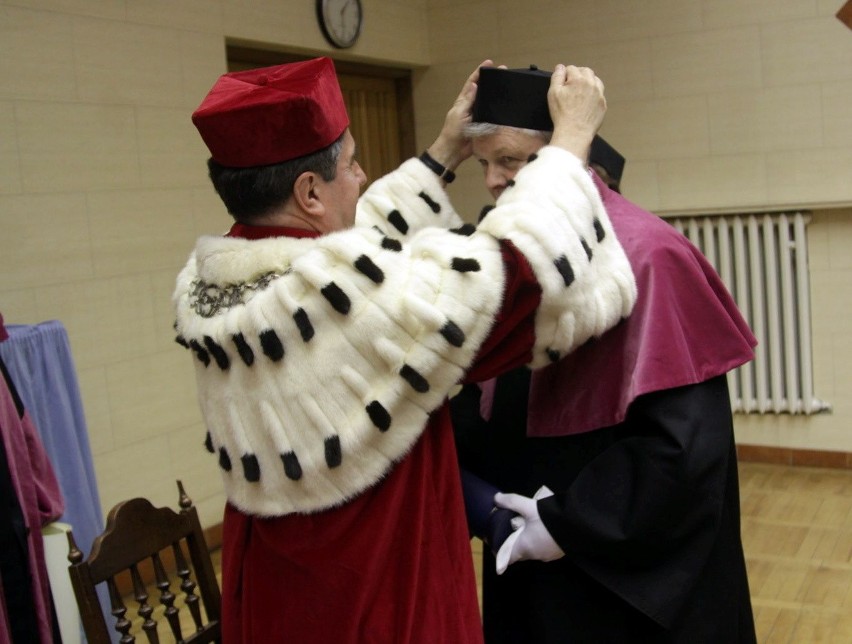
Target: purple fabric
39, 359
685, 329
38, 494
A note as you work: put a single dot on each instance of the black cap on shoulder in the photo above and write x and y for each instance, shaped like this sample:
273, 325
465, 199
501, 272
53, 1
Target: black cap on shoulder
607, 157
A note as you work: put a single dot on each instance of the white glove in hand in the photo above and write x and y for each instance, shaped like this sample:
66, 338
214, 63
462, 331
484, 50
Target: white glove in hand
530, 540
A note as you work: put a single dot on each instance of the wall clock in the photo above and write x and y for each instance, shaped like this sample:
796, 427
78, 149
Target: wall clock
340, 21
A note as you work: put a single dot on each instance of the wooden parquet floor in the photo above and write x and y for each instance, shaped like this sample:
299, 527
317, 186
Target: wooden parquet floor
797, 533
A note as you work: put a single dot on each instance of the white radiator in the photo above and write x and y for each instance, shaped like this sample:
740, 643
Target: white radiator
763, 260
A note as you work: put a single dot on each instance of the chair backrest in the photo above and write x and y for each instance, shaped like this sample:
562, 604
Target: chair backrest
139, 537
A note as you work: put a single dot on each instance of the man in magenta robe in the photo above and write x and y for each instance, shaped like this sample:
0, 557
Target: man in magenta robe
620, 458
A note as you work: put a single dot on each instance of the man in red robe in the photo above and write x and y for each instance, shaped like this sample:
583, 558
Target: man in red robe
327, 332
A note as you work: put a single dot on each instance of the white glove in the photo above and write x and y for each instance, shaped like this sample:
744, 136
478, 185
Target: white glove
530, 540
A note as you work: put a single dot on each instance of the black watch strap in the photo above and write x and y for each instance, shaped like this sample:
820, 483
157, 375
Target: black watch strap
437, 168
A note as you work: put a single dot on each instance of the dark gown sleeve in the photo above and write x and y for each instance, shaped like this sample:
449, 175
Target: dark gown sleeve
508, 345
642, 516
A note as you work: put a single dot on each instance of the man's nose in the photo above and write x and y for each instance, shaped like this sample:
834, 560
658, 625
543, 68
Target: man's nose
495, 179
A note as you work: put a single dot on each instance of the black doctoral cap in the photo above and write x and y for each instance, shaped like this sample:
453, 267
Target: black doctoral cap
518, 98
515, 97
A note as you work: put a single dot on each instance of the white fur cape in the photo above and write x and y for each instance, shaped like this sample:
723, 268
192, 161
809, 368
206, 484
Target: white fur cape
319, 360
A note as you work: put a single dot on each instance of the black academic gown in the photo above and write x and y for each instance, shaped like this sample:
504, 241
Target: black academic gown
647, 512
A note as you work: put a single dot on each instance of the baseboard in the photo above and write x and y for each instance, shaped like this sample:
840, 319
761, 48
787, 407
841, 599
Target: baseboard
748, 453
213, 537
795, 457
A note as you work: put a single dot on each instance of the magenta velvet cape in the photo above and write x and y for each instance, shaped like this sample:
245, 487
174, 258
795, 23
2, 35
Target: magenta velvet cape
685, 329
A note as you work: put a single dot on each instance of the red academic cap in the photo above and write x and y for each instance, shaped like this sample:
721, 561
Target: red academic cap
272, 114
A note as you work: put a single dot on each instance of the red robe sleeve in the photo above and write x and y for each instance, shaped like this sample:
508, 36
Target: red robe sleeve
510, 342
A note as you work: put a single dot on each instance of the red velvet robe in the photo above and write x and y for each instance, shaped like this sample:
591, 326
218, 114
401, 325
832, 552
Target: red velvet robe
394, 564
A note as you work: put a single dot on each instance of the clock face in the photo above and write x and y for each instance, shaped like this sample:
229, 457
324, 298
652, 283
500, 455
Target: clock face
340, 21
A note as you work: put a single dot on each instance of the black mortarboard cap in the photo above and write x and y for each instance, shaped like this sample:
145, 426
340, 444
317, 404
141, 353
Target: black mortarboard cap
514, 97
518, 98
606, 156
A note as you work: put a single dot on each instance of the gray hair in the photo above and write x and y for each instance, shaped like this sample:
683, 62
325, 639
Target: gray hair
478, 130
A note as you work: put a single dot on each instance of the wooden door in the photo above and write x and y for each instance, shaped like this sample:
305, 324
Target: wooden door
373, 121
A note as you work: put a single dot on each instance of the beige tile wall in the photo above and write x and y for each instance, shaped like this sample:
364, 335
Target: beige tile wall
829, 243
103, 190
718, 105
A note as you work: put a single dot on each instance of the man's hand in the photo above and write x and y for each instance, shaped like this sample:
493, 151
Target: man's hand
531, 539
577, 107
452, 146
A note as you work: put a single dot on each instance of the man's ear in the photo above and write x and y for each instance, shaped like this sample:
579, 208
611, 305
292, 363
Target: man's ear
306, 193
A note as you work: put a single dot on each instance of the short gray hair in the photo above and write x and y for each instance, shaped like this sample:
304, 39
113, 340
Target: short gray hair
478, 130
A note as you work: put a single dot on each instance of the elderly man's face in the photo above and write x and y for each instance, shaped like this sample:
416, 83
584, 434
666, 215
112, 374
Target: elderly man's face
502, 154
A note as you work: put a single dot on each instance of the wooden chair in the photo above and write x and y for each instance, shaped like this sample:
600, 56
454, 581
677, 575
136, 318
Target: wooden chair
138, 535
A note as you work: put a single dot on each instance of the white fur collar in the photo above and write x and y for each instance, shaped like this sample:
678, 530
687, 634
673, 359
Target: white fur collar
319, 361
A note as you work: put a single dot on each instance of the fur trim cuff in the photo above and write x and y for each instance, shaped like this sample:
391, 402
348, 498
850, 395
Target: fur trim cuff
587, 284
